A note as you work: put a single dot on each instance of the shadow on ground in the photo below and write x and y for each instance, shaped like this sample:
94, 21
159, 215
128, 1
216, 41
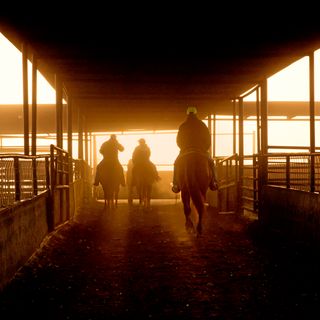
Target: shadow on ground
130, 263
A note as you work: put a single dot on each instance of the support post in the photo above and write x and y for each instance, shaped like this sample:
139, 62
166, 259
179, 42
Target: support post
312, 120
241, 154
59, 112
34, 106
80, 135
234, 127
263, 158
25, 97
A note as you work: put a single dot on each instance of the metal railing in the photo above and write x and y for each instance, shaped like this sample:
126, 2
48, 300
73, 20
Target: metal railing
300, 171
22, 177
228, 177
249, 183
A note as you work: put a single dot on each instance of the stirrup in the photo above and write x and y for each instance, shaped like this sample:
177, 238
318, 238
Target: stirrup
175, 189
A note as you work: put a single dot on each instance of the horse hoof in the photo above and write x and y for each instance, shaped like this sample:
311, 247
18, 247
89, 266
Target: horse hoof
199, 229
189, 227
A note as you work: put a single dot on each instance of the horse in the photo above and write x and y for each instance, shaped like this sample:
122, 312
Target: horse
109, 175
194, 174
144, 174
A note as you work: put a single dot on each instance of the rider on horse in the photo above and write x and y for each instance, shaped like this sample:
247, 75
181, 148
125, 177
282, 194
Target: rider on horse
141, 153
109, 149
141, 156
193, 134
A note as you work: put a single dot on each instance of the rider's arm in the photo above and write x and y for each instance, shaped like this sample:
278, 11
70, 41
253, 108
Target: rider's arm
120, 146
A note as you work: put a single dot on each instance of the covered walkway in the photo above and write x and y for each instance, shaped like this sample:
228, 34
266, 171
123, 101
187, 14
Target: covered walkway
128, 263
90, 264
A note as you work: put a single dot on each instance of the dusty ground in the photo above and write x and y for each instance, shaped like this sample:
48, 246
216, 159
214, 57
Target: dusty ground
133, 264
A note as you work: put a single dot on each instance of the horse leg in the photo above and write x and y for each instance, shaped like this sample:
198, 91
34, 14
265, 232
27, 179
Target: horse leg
130, 200
105, 199
199, 204
116, 196
109, 199
185, 196
148, 197
144, 197
116, 200
140, 192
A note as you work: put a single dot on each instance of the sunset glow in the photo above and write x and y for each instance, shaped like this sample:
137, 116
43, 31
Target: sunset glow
11, 77
290, 84
162, 144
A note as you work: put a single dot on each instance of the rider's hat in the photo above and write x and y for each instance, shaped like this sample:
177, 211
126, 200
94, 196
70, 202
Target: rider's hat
192, 110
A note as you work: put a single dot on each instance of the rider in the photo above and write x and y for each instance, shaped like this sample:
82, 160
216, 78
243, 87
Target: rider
109, 149
141, 155
141, 152
193, 134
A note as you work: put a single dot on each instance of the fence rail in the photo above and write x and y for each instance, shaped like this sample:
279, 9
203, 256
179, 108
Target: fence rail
22, 177
299, 171
227, 173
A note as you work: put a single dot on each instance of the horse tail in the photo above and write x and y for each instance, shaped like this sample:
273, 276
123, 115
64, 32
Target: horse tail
197, 197
195, 177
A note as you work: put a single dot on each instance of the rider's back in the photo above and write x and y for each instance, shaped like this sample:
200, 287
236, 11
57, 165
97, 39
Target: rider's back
193, 133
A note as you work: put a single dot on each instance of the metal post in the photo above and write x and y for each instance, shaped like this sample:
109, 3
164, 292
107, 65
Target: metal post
312, 120
234, 133
51, 215
258, 120
264, 117
263, 159
210, 132
17, 179
214, 133
25, 97
80, 135
59, 112
70, 139
241, 154
288, 171
86, 147
34, 106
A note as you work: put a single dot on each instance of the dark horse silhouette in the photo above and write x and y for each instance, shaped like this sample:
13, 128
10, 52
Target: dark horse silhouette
109, 175
144, 174
194, 175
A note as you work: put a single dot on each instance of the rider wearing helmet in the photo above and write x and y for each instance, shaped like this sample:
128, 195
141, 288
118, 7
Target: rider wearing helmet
193, 134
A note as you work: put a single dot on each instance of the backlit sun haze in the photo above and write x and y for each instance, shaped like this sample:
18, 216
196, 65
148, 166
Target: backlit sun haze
290, 84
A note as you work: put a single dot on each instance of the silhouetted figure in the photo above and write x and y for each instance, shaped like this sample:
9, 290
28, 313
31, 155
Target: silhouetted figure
109, 150
141, 157
144, 173
193, 135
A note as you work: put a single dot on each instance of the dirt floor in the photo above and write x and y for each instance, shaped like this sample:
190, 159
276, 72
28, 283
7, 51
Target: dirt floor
129, 264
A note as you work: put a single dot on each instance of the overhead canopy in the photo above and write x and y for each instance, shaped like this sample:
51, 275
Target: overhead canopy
141, 71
